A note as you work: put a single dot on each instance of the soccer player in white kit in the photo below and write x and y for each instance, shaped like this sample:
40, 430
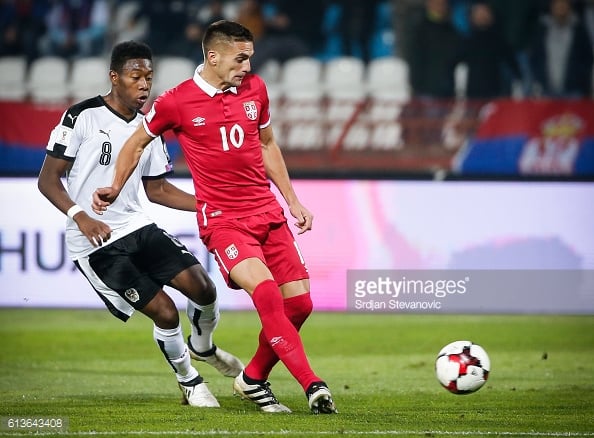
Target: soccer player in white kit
126, 257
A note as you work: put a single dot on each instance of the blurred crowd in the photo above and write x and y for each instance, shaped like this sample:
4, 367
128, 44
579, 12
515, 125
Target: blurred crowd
527, 47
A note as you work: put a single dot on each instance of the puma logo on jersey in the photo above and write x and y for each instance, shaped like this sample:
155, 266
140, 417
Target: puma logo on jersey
101, 131
72, 118
199, 121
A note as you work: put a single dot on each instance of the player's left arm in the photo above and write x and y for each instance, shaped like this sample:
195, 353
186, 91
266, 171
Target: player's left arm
161, 191
276, 169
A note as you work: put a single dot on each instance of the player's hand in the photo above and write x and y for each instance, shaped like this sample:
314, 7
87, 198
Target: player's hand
96, 231
303, 215
103, 198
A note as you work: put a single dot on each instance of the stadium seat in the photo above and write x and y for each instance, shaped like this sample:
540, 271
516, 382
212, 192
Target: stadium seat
343, 78
357, 137
48, 78
341, 110
388, 89
343, 88
304, 136
333, 133
13, 72
275, 104
299, 90
387, 78
89, 77
383, 110
387, 136
300, 78
270, 72
170, 71
300, 109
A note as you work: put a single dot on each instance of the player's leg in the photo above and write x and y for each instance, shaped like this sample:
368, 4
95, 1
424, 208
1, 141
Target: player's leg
124, 288
281, 334
278, 330
288, 268
202, 310
298, 307
168, 335
281, 338
239, 252
170, 262
231, 245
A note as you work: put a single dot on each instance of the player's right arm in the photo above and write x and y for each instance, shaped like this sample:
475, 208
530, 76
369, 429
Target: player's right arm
50, 185
126, 162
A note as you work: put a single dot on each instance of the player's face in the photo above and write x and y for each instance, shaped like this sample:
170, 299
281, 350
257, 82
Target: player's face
233, 62
135, 82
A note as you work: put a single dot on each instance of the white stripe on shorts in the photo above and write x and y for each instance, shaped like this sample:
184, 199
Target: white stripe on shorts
218, 257
108, 294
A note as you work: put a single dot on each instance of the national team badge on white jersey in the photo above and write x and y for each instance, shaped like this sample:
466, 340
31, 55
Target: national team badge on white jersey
64, 136
132, 295
231, 251
251, 111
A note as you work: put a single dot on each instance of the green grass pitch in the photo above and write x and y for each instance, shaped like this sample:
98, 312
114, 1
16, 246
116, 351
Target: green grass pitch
109, 379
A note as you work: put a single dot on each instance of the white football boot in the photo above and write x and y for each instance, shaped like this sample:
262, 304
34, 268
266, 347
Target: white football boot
319, 399
225, 363
196, 393
260, 394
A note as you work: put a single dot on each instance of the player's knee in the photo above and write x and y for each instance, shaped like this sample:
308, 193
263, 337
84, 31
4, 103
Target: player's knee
268, 299
167, 317
162, 311
298, 309
208, 291
197, 286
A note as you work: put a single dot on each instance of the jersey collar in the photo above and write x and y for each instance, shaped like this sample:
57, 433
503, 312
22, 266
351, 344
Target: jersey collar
206, 87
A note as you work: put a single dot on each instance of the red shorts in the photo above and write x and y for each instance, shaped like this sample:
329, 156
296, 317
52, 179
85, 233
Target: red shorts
265, 236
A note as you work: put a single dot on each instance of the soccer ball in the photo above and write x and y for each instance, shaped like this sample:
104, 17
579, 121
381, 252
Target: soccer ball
462, 367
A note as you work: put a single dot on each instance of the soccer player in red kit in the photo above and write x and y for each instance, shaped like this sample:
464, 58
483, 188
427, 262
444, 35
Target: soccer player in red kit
221, 118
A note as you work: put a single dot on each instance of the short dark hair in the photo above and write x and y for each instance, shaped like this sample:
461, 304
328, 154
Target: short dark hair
126, 50
225, 31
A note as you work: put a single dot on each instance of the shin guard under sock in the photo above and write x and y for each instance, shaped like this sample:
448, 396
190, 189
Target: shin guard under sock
280, 333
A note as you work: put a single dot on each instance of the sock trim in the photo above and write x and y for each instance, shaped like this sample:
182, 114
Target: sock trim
195, 381
206, 353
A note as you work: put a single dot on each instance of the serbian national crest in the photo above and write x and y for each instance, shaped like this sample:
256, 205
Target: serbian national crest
251, 111
231, 251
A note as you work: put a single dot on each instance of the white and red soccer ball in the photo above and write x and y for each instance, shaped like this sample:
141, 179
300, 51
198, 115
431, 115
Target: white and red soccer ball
462, 367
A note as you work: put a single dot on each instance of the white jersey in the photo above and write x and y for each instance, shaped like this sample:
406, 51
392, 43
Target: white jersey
91, 135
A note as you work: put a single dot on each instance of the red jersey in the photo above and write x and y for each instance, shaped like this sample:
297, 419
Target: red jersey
219, 135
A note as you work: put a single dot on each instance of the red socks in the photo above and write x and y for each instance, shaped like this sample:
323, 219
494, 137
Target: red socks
279, 338
298, 308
